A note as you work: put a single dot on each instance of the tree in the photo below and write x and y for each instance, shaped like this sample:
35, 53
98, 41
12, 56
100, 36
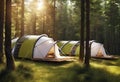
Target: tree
112, 26
22, 18
16, 18
33, 14
1, 29
87, 54
81, 56
54, 20
83, 24
9, 58
62, 21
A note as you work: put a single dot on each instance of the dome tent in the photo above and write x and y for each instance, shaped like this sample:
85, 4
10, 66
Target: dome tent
67, 47
97, 49
37, 47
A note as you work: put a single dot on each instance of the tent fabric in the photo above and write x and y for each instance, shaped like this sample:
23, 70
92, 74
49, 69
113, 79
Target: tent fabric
74, 48
42, 46
97, 49
37, 47
64, 43
14, 41
24, 43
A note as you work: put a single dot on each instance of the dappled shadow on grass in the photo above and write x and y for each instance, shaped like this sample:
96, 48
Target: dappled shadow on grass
26, 71
73, 72
118, 62
107, 62
76, 73
22, 73
65, 72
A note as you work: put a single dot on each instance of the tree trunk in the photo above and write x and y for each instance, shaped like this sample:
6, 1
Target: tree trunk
34, 22
17, 22
54, 20
9, 58
43, 24
81, 55
34, 16
1, 29
87, 54
22, 18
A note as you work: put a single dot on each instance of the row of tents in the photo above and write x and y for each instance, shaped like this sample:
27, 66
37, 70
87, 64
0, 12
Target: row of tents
72, 48
42, 47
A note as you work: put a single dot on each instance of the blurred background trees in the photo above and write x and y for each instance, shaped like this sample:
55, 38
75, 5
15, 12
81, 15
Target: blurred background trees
62, 19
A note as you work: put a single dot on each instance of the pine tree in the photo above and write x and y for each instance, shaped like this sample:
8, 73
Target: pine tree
9, 58
1, 29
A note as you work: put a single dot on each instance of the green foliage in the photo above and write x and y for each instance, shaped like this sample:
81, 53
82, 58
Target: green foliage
22, 73
31, 71
104, 19
112, 13
25, 70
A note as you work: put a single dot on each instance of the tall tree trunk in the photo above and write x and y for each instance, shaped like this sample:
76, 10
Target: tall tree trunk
34, 22
34, 9
9, 58
1, 29
87, 54
54, 20
17, 22
81, 56
43, 24
22, 18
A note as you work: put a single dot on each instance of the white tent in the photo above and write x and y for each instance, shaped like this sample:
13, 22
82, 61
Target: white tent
46, 47
37, 47
97, 49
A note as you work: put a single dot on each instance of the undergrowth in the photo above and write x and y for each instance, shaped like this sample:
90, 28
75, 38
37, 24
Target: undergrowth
21, 74
30, 71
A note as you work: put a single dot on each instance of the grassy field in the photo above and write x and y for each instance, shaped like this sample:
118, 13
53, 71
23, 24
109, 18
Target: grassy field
31, 71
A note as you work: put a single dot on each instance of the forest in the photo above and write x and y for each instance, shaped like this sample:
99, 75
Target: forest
62, 20
38, 17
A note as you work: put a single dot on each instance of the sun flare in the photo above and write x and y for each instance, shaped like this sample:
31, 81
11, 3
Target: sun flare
40, 5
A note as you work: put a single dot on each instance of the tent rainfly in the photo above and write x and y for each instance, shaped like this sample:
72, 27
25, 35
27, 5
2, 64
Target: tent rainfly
97, 49
37, 47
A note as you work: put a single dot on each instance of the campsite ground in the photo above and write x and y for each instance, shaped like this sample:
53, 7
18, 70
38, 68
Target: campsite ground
30, 71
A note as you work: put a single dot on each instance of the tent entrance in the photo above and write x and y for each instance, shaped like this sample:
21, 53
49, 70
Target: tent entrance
99, 54
51, 53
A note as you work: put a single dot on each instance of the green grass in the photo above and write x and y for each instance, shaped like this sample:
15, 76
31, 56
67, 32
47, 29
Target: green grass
30, 71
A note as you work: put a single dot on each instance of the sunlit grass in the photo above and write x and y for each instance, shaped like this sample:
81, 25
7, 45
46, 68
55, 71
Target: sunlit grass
108, 65
111, 69
31, 71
